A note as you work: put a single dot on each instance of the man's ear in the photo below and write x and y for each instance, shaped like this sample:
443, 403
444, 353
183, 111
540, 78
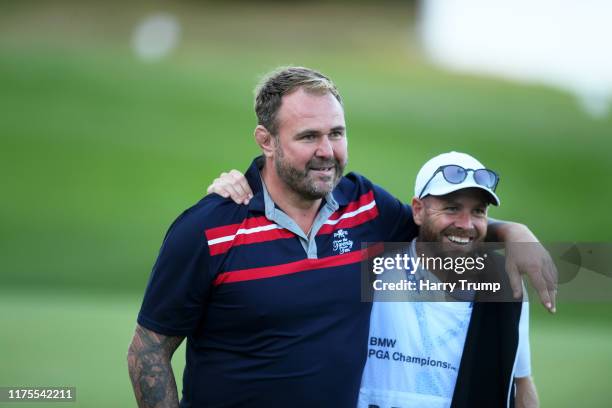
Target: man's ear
418, 210
265, 140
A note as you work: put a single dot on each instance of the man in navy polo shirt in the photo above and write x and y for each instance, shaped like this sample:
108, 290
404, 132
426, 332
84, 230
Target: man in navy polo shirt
268, 294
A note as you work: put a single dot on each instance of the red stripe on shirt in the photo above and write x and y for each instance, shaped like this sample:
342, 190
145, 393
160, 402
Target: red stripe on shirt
280, 233
350, 222
353, 205
242, 239
231, 229
298, 266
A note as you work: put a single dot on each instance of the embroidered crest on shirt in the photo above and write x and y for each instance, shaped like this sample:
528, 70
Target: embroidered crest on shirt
341, 243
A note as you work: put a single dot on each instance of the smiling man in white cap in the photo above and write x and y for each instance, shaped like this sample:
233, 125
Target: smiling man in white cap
425, 353
444, 186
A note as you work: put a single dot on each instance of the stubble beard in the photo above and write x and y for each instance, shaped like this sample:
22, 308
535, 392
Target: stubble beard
302, 182
439, 247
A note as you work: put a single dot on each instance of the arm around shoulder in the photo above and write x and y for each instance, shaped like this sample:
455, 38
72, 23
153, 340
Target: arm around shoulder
526, 255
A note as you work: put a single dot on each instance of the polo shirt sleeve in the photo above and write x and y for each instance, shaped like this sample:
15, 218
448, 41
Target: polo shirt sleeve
178, 286
395, 217
522, 366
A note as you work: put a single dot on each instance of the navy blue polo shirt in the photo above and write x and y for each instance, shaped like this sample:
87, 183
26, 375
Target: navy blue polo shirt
271, 321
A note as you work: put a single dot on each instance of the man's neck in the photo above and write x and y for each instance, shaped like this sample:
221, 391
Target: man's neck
425, 249
428, 250
302, 211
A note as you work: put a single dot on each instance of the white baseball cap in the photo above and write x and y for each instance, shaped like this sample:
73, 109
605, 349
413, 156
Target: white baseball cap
431, 181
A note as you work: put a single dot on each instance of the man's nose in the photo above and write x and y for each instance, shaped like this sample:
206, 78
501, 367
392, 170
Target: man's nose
325, 148
464, 220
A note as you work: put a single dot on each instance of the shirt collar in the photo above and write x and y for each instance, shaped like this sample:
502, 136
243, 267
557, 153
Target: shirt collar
270, 206
254, 179
339, 197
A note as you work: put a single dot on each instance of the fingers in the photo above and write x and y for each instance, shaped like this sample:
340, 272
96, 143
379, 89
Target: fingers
543, 277
236, 193
515, 278
539, 277
536, 276
242, 184
232, 185
535, 262
215, 187
551, 277
238, 187
219, 186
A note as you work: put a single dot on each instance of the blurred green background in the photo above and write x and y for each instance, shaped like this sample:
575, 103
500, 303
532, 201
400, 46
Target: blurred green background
100, 150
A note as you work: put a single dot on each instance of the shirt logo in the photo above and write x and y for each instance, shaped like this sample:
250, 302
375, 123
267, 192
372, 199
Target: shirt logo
341, 243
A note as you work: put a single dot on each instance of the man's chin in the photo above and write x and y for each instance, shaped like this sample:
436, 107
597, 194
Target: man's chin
326, 183
322, 182
322, 191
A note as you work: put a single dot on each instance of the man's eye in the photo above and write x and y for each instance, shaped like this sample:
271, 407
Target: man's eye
480, 211
309, 137
451, 209
336, 134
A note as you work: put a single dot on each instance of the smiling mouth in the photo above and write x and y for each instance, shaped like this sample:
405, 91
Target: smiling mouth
322, 169
459, 240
